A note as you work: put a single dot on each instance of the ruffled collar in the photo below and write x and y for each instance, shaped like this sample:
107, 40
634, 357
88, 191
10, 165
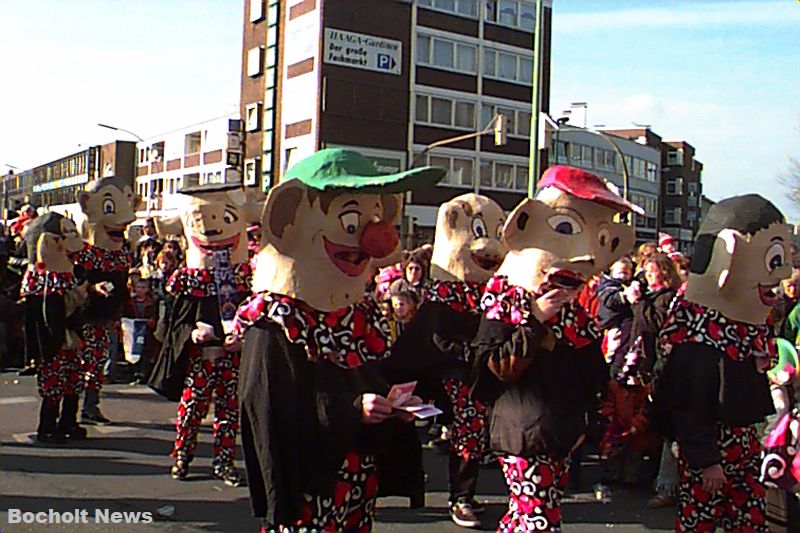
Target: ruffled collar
461, 296
347, 337
95, 258
512, 304
201, 282
37, 282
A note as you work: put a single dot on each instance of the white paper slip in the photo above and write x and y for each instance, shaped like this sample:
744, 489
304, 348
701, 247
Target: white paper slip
400, 393
421, 411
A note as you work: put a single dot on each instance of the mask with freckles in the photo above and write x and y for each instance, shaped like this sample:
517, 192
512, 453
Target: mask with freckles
567, 233
468, 243
212, 218
329, 225
50, 239
109, 208
742, 252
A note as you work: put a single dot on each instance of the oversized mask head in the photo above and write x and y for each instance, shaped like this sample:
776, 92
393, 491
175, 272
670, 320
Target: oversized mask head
567, 233
212, 218
50, 239
329, 225
468, 243
109, 205
741, 254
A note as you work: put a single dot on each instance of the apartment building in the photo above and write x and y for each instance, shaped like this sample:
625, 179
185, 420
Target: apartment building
388, 78
203, 153
681, 185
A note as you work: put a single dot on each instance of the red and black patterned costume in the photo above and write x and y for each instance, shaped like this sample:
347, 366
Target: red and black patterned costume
539, 418
709, 398
311, 463
47, 341
184, 373
102, 315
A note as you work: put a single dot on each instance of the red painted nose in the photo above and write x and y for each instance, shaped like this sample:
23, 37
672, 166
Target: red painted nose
379, 239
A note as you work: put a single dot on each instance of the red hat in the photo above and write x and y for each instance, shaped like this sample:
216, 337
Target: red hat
665, 238
585, 185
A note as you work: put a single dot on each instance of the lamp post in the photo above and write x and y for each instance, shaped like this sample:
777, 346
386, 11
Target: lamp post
140, 139
5, 194
534, 153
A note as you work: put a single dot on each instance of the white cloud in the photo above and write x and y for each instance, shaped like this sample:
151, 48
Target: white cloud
684, 15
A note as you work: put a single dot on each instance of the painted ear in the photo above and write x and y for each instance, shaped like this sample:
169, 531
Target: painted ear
728, 240
279, 212
392, 207
44, 242
519, 222
169, 226
455, 209
82, 198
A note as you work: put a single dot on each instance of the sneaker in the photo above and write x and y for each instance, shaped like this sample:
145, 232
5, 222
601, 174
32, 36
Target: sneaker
464, 516
95, 418
477, 507
661, 500
55, 437
76, 432
180, 469
228, 474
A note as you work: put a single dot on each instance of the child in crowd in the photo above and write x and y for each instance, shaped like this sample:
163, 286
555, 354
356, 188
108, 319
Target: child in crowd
143, 306
403, 307
615, 294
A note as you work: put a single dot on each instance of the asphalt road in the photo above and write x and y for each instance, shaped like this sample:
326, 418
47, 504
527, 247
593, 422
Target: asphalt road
124, 468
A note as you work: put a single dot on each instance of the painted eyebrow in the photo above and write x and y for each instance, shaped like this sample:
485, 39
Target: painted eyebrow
349, 203
107, 195
776, 238
569, 209
232, 208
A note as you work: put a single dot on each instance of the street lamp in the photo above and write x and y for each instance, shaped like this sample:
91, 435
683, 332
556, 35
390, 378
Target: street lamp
140, 139
5, 194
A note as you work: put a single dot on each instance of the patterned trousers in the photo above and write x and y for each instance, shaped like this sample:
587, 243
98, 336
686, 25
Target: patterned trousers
206, 377
536, 486
96, 345
741, 504
352, 507
61, 376
469, 421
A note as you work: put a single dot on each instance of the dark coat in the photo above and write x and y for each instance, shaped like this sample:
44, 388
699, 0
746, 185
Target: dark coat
613, 309
546, 410
300, 418
700, 388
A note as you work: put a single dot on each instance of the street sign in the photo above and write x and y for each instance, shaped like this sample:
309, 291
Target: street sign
366, 52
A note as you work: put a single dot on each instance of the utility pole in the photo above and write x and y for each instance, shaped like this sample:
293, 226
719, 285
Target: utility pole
535, 155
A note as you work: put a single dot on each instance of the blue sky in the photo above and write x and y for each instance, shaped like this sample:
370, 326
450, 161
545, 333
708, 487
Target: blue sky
723, 75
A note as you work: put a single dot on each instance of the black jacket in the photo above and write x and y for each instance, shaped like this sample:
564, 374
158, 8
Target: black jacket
546, 410
701, 388
613, 309
649, 314
299, 419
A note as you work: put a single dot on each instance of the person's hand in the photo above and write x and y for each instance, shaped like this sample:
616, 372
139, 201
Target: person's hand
713, 478
199, 336
546, 306
632, 292
405, 416
232, 344
763, 362
375, 408
102, 288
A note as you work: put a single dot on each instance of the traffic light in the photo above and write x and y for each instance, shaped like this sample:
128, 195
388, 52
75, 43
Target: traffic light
500, 130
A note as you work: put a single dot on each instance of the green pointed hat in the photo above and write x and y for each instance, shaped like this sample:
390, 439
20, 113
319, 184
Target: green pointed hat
336, 169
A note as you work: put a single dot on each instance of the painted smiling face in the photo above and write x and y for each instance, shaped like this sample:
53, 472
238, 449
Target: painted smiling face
51, 238
742, 252
109, 208
322, 247
567, 233
468, 243
212, 221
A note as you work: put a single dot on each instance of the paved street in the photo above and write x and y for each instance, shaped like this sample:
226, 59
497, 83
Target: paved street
124, 467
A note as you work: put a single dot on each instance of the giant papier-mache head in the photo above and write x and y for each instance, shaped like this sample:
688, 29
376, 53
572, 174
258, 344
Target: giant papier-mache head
212, 218
49, 239
741, 253
108, 204
327, 226
567, 233
468, 243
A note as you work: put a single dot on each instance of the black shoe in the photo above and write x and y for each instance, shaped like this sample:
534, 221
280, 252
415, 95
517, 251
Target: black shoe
56, 437
27, 371
76, 432
477, 507
95, 418
463, 515
228, 474
180, 469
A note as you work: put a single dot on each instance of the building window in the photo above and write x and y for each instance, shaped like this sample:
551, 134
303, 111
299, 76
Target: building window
191, 143
691, 188
675, 157
672, 216
508, 66
675, 187
652, 171
467, 8
252, 116
255, 61
443, 111
519, 14
518, 120
691, 215
256, 10
251, 171
447, 54
586, 156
